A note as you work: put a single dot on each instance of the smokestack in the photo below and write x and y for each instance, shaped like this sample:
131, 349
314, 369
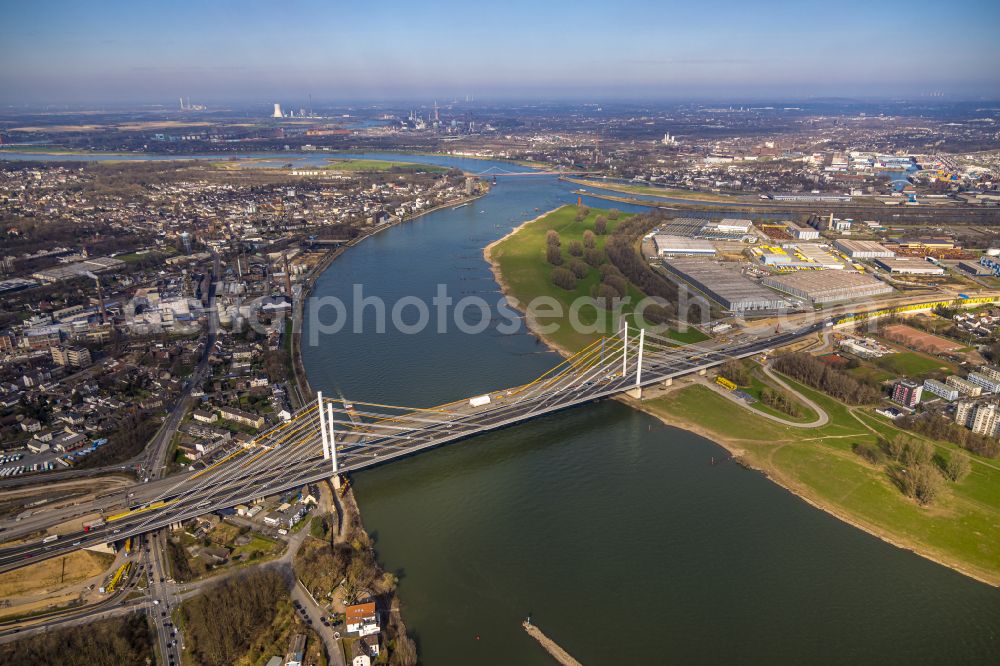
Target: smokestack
100, 298
288, 277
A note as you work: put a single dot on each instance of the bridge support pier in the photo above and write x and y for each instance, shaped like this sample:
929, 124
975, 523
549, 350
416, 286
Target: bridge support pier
668, 382
635, 393
336, 482
702, 373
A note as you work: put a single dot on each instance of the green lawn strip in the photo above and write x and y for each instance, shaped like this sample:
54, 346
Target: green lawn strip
950, 526
380, 165
913, 364
962, 526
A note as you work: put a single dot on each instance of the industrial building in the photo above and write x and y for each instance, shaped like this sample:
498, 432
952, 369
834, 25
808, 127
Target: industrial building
84, 268
863, 249
683, 226
670, 245
726, 286
974, 269
908, 266
801, 233
733, 224
803, 256
827, 286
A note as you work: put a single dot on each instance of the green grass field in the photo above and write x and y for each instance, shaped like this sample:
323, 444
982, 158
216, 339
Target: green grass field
381, 165
521, 261
960, 529
913, 364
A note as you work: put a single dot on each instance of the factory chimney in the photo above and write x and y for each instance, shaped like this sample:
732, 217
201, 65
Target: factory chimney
288, 277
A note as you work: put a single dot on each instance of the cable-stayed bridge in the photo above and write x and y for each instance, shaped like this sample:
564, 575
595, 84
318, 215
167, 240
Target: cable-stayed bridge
334, 436
557, 171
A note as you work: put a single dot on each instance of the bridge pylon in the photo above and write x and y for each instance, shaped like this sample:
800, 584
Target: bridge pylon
333, 448
322, 424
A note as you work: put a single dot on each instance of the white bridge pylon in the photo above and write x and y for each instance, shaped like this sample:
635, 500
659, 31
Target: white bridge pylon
355, 434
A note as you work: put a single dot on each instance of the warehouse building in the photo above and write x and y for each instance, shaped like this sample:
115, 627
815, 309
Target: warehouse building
670, 245
827, 286
801, 233
974, 269
726, 286
908, 266
863, 249
805, 255
688, 227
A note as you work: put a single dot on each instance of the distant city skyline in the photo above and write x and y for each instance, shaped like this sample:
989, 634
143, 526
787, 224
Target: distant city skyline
249, 51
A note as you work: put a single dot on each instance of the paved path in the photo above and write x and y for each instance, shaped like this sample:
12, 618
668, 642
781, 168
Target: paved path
822, 418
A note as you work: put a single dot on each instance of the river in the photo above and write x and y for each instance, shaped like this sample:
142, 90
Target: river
614, 531
611, 529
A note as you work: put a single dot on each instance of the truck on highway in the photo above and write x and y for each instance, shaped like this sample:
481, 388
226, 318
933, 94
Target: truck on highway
93, 525
50, 538
479, 400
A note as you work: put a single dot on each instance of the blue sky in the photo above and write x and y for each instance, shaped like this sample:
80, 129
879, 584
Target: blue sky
244, 50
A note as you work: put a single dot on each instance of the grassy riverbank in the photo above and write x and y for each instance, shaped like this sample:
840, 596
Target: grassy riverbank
520, 266
647, 190
960, 529
355, 165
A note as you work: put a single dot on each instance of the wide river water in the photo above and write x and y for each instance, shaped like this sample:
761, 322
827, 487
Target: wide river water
614, 531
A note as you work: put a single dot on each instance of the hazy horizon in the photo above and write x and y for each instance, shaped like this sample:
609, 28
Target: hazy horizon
227, 51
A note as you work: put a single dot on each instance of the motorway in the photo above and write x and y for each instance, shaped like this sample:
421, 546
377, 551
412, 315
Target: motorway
289, 455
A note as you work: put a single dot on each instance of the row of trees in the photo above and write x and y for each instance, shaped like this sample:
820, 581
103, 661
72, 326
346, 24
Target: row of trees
810, 370
223, 622
621, 252
935, 427
125, 640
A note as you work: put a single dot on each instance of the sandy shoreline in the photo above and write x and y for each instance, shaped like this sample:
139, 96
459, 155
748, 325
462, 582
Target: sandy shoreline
730, 444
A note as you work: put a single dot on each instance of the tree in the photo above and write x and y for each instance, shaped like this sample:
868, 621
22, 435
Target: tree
926, 483
735, 372
582, 213
958, 466
552, 238
589, 240
916, 452
579, 269
618, 283
405, 653
601, 225
614, 214
593, 256
575, 248
562, 277
553, 255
